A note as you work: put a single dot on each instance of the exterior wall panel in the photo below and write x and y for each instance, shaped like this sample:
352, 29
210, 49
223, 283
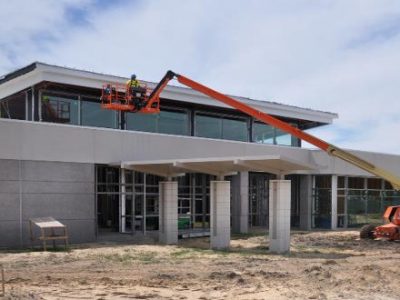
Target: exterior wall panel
61, 190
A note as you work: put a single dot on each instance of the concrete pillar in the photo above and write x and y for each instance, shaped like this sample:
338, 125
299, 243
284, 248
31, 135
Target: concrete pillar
334, 185
220, 214
305, 202
240, 202
168, 210
122, 203
279, 215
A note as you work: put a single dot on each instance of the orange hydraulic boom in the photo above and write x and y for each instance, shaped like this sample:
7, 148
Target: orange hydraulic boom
150, 104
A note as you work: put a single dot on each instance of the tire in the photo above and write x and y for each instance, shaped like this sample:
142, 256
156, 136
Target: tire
367, 232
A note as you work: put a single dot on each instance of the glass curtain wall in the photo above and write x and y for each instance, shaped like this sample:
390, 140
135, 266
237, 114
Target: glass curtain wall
69, 109
365, 200
60, 109
74, 109
131, 204
360, 201
321, 210
259, 198
267, 134
194, 202
221, 127
13, 107
93, 115
167, 121
108, 195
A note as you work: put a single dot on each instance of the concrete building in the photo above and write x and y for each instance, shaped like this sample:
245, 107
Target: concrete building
197, 168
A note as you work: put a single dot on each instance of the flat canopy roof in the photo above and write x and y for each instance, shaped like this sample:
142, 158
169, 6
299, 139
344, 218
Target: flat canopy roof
37, 72
219, 166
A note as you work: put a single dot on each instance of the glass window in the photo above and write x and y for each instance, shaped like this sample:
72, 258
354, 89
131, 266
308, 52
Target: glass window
13, 107
94, 115
283, 138
60, 109
220, 128
170, 122
267, 134
235, 130
356, 183
173, 122
263, 133
207, 126
141, 122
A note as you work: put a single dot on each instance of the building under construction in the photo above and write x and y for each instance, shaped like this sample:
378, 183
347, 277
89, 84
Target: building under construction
106, 173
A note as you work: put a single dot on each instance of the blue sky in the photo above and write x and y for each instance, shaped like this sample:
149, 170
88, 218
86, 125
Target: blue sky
338, 56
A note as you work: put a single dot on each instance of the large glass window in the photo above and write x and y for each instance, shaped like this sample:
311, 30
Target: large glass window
173, 122
59, 109
13, 107
263, 133
94, 115
234, 130
167, 121
283, 138
266, 134
207, 126
221, 127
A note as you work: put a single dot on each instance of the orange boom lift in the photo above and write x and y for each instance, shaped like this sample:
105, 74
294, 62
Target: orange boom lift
119, 99
123, 98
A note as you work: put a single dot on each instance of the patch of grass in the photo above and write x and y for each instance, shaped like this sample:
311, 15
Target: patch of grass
148, 257
144, 257
241, 236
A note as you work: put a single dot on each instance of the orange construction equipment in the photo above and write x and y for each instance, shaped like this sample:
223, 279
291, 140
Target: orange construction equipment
123, 97
151, 104
390, 231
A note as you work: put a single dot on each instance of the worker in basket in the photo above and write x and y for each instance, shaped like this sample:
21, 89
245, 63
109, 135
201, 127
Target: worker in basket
137, 91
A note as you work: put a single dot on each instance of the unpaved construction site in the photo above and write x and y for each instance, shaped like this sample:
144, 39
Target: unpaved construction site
321, 265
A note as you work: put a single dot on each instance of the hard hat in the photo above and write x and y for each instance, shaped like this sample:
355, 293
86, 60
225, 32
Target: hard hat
133, 76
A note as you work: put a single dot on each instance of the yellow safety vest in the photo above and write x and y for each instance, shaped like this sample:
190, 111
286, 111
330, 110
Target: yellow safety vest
133, 83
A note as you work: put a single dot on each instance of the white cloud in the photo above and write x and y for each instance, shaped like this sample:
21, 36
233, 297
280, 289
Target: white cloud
339, 56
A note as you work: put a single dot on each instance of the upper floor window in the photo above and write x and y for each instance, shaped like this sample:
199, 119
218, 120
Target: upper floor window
167, 121
267, 134
13, 107
93, 115
59, 109
221, 127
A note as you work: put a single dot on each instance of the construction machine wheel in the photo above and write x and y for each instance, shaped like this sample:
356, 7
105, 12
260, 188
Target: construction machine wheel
367, 232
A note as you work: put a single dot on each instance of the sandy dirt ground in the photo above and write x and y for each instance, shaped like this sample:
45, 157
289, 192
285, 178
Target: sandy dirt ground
321, 265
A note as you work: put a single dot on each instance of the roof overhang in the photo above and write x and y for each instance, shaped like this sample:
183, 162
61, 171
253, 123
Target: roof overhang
43, 72
275, 164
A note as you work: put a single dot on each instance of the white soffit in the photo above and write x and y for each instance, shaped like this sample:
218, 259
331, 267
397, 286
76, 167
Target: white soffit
219, 166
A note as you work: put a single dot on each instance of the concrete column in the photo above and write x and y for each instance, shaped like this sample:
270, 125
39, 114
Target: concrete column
168, 209
240, 202
220, 214
279, 216
122, 203
305, 202
334, 185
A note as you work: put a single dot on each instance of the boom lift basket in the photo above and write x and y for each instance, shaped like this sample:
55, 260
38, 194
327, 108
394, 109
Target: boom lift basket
122, 97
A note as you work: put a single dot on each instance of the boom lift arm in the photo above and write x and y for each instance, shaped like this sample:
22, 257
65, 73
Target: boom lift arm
152, 104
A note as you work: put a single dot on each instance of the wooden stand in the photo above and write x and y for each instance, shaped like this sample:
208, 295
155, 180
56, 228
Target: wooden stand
48, 228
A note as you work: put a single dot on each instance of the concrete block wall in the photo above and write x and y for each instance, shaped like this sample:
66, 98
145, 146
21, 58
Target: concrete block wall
279, 216
168, 231
30, 189
220, 214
